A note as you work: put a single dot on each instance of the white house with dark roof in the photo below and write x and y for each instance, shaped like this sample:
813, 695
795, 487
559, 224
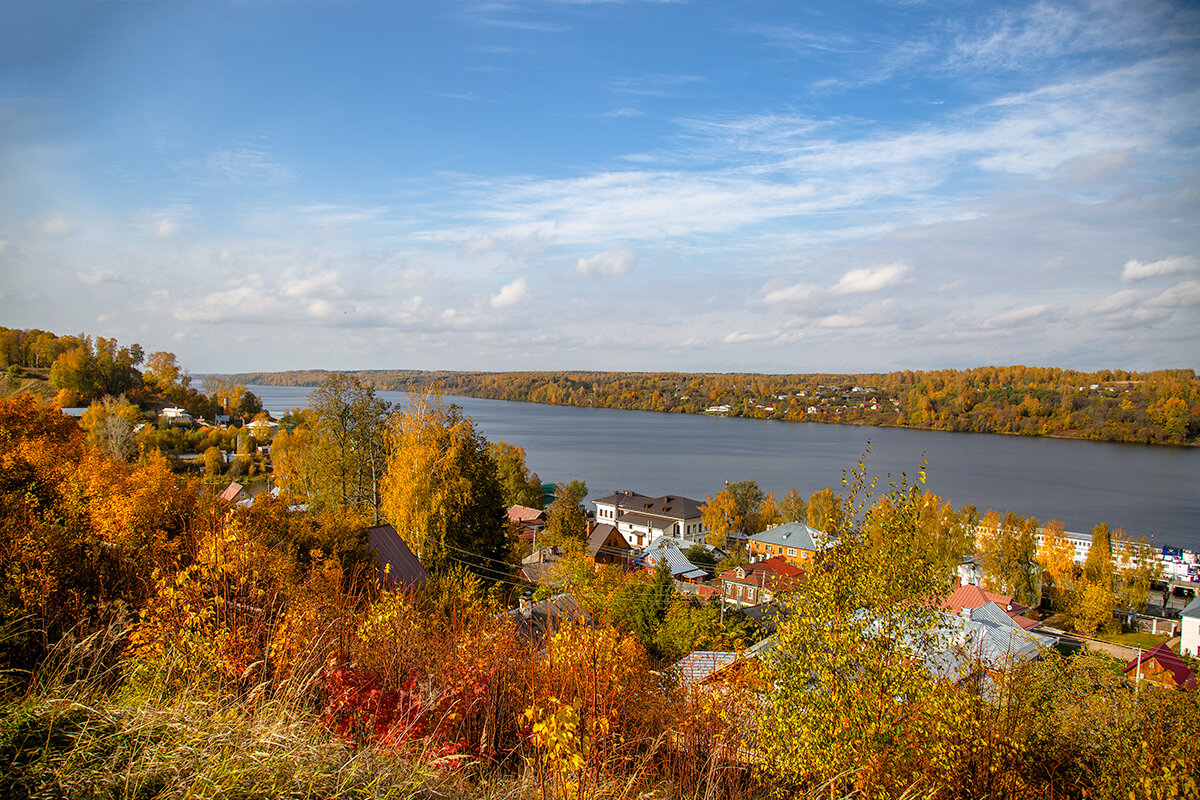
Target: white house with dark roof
1189, 635
640, 519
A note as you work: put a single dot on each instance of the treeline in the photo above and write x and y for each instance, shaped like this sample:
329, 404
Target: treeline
82, 370
1159, 407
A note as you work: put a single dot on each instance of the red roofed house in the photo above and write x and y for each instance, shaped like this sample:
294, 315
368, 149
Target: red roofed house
1162, 667
972, 597
753, 584
528, 521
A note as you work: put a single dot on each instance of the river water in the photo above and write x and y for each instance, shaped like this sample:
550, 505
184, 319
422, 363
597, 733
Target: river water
1148, 491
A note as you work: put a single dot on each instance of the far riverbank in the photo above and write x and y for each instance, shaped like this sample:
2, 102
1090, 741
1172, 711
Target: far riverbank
1149, 491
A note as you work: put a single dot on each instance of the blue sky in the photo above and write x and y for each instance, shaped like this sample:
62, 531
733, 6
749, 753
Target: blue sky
699, 186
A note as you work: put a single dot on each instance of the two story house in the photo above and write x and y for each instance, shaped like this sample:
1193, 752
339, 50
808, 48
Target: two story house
640, 519
794, 541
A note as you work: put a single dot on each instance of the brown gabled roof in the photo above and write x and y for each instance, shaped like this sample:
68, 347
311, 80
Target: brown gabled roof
398, 567
668, 506
605, 538
1169, 661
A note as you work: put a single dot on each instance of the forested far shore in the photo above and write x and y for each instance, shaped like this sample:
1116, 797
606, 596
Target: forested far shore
1158, 407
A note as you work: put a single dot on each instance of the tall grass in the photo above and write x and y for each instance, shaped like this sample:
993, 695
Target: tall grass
80, 732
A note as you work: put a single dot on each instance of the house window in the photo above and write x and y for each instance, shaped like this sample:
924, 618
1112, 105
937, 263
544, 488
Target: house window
750, 594
770, 548
791, 551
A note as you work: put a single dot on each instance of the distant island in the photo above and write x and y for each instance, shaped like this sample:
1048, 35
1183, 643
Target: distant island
1159, 407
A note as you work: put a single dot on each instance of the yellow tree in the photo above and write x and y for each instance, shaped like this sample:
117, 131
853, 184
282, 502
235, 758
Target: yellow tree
111, 424
735, 511
1056, 557
1136, 567
441, 492
1006, 546
825, 512
1094, 598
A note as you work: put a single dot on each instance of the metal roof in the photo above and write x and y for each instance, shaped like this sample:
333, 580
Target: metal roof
676, 561
793, 534
397, 564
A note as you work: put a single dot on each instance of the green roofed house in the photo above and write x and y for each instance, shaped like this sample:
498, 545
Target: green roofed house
794, 541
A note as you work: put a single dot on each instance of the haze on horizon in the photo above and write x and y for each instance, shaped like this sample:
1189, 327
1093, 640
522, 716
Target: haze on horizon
581, 184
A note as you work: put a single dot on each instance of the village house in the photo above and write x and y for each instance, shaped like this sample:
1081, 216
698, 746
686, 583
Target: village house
757, 583
977, 644
669, 553
795, 542
529, 522
606, 546
538, 566
537, 619
1161, 667
970, 597
640, 518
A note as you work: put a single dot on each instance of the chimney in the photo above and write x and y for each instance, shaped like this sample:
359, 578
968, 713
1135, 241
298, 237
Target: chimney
966, 612
527, 605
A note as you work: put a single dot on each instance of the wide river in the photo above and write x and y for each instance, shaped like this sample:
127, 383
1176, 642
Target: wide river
1148, 491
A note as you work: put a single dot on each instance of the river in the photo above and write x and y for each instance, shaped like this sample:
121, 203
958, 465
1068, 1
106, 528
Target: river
1149, 491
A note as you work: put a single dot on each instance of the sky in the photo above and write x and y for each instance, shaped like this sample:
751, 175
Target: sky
826, 186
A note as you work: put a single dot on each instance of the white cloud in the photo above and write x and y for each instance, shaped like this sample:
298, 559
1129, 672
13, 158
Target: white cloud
324, 282
1181, 295
247, 164
91, 277
511, 294
1018, 317
738, 337
57, 226
610, 263
870, 280
1139, 270
796, 293
481, 244
841, 321
164, 228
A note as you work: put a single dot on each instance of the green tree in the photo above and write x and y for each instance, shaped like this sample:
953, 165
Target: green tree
652, 607
849, 669
518, 485
825, 511
162, 372
1056, 558
441, 492
1137, 566
1094, 597
214, 461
